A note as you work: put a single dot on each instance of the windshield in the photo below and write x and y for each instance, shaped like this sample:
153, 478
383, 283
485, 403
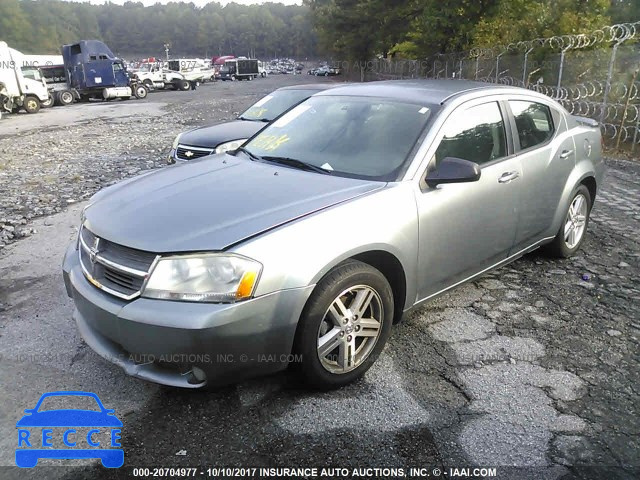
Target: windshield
65, 402
274, 104
31, 72
359, 137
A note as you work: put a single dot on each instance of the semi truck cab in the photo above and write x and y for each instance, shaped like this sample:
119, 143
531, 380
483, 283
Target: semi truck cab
95, 72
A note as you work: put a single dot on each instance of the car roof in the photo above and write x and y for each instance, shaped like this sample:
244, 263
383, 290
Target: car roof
312, 86
416, 90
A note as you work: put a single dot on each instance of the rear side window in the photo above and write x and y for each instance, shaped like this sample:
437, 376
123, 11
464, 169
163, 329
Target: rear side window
533, 121
476, 134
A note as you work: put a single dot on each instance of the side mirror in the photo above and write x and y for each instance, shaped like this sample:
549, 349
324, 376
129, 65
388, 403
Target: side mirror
453, 170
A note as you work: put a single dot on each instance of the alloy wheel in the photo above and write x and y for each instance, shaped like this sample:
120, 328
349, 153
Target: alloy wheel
350, 329
576, 221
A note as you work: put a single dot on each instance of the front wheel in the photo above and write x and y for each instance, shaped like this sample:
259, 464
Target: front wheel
344, 325
31, 104
140, 91
573, 228
48, 102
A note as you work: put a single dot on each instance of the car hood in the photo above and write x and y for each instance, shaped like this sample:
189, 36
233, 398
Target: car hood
214, 135
69, 418
212, 203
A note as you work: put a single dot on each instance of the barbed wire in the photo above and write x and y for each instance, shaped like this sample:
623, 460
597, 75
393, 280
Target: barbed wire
613, 34
600, 91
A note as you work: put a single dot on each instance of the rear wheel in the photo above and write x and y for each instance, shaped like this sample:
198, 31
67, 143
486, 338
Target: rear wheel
573, 228
31, 104
184, 85
344, 325
64, 97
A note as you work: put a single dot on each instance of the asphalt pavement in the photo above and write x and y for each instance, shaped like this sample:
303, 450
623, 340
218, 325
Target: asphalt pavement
534, 365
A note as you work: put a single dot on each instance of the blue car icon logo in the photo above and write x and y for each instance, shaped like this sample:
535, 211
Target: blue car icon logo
70, 429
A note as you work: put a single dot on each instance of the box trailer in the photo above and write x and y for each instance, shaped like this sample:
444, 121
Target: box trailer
239, 69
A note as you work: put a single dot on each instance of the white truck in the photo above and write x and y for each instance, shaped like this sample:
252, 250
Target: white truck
52, 69
194, 69
21, 85
156, 77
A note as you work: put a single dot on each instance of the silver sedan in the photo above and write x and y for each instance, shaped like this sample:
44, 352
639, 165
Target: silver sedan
304, 246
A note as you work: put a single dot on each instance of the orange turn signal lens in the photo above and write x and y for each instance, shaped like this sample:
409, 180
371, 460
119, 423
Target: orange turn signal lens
245, 289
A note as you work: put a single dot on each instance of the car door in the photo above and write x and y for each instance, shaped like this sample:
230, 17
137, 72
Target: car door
546, 153
465, 228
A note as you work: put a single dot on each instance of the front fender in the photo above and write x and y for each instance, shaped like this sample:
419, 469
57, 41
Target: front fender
301, 252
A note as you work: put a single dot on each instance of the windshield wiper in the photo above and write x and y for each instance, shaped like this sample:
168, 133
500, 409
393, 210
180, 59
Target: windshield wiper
251, 155
265, 120
299, 164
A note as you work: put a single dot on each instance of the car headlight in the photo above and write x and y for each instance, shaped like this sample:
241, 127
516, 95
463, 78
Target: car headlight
233, 145
215, 277
176, 141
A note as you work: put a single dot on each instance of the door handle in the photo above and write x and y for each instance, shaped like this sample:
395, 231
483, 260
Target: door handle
506, 177
566, 153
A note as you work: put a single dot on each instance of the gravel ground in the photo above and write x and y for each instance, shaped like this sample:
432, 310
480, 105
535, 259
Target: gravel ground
534, 365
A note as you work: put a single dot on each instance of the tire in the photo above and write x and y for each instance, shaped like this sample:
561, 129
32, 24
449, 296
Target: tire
148, 83
184, 85
64, 97
564, 245
31, 104
140, 91
343, 284
49, 103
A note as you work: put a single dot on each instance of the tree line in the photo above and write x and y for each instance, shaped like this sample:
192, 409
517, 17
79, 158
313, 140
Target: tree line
415, 29
343, 29
133, 30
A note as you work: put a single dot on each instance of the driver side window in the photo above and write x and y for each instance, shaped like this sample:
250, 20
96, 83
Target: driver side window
477, 134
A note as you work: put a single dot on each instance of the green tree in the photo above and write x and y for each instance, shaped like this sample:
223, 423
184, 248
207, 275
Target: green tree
515, 20
15, 28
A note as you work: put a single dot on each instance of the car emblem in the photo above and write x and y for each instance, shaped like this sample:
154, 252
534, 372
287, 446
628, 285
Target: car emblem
188, 153
93, 251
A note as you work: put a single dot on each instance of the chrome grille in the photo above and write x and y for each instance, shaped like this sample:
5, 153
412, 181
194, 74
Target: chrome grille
186, 152
116, 269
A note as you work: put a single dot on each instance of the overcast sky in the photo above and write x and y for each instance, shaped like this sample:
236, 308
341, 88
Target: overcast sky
200, 3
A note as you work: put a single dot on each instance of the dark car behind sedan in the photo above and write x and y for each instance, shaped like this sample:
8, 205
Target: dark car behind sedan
227, 136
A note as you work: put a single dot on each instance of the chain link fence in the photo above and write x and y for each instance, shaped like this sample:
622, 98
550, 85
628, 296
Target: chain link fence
593, 75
